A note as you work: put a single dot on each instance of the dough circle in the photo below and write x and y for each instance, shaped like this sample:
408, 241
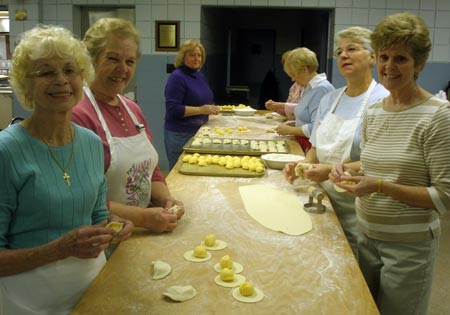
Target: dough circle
339, 189
189, 255
180, 293
218, 245
238, 279
256, 297
237, 267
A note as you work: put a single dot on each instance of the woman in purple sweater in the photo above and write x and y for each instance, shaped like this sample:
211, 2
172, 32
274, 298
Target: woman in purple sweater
189, 99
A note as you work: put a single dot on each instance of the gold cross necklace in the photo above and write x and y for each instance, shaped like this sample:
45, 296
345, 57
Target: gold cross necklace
60, 165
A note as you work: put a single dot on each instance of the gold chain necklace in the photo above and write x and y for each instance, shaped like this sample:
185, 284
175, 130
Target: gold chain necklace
60, 165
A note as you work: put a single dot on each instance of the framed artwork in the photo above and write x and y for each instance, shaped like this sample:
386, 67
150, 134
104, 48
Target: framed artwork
167, 35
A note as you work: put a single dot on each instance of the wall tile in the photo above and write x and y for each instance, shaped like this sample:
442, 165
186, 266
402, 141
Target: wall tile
442, 5
225, 2
377, 4
411, 4
192, 13
143, 12
145, 28
441, 53
429, 17
192, 2
327, 3
443, 19
159, 12
259, 2
242, 2
175, 12
192, 30
360, 3
441, 36
64, 12
394, 4
310, 3
209, 2
276, 3
428, 4
293, 3
49, 13
343, 15
360, 16
376, 15
344, 3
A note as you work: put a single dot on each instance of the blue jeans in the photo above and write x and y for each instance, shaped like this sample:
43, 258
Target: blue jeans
174, 143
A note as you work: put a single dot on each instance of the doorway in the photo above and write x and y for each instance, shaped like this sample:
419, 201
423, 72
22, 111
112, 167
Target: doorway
244, 47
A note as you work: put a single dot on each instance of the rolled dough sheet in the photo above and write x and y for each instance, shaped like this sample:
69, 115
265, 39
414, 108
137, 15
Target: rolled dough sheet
276, 209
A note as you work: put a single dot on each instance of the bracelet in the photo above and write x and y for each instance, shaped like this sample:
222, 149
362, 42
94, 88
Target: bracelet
379, 185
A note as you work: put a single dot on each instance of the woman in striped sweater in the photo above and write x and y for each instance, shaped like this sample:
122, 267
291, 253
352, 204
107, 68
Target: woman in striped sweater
406, 184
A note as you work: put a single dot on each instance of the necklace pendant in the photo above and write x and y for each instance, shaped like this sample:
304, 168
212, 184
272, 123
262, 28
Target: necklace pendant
67, 178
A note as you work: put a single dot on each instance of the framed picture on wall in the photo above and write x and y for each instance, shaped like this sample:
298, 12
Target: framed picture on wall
167, 35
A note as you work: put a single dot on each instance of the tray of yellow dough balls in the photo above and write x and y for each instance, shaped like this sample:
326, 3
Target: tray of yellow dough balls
236, 146
221, 165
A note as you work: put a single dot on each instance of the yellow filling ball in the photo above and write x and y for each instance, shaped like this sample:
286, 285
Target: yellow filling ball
246, 289
210, 240
227, 275
200, 252
226, 262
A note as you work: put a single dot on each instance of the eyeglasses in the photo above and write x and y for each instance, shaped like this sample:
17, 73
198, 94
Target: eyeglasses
52, 74
349, 50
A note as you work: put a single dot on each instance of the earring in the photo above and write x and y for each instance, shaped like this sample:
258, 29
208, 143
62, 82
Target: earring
416, 75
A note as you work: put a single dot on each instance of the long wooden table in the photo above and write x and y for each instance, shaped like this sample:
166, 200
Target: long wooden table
315, 273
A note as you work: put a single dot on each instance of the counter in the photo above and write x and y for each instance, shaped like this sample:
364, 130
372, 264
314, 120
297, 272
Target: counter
315, 273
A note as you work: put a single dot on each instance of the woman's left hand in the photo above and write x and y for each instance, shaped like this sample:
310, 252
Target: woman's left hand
358, 185
171, 203
126, 231
318, 172
283, 129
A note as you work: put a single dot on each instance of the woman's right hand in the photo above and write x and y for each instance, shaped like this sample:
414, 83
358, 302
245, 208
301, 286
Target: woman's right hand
289, 172
210, 109
85, 241
159, 220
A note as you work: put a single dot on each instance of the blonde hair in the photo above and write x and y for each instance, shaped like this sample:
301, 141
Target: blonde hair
284, 56
97, 35
403, 30
300, 58
356, 34
45, 42
188, 46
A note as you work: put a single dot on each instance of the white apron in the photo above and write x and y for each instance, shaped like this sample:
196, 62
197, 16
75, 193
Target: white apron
52, 289
133, 160
334, 140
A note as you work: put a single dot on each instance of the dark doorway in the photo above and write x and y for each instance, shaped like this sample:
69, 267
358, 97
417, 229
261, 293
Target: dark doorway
244, 47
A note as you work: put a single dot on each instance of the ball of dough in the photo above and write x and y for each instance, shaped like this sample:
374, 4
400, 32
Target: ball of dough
226, 275
246, 289
210, 240
226, 262
200, 252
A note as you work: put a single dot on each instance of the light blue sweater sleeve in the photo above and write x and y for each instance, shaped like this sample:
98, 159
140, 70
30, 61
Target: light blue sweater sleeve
306, 110
36, 205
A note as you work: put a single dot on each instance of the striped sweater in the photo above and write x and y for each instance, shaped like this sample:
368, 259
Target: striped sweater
410, 147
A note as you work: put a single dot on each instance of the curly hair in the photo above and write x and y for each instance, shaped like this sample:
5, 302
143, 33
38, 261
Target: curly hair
188, 46
403, 30
300, 58
356, 34
97, 35
45, 42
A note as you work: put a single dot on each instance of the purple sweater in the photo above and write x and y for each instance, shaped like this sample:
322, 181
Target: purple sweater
186, 87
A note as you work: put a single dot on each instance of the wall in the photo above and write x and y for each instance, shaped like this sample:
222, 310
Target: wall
151, 73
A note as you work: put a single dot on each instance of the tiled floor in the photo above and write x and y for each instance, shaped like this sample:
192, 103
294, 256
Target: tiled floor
440, 296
